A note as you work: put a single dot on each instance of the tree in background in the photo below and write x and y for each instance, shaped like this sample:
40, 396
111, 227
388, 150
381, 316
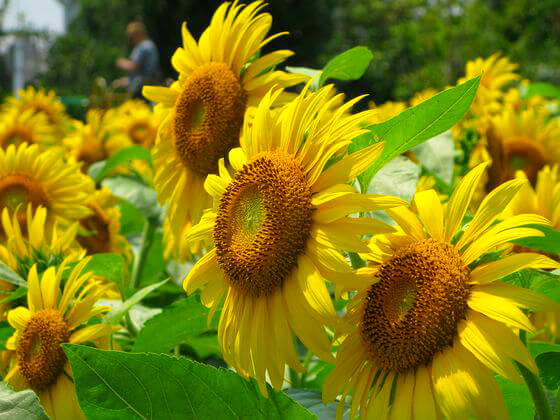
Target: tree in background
416, 43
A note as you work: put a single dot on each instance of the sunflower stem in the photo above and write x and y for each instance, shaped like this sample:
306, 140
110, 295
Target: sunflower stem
145, 245
536, 388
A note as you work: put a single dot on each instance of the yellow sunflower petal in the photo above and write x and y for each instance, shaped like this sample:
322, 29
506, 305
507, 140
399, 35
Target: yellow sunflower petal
19, 317
34, 297
340, 207
490, 208
408, 221
423, 404
91, 333
430, 212
460, 200
203, 271
496, 270
348, 168
477, 337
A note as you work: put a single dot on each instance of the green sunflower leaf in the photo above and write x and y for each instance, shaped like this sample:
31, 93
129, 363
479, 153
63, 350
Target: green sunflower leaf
518, 399
22, 405
349, 65
549, 369
543, 89
10, 276
120, 311
109, 266
135, 192
132, 219
417, 124
176, 324
549, 243
311, 399
122, 157
115, 385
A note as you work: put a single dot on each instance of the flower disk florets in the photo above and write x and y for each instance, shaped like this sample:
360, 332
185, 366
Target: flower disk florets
263, 223
413, 311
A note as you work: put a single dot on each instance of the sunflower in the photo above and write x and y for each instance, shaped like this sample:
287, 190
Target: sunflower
526, 140
38, 101
385, 111
101, 230
497, 72
544, 200
278, 222
29, 176
95, 140
423, 338
203, 112
137, 120
35, 243
17, 128
54, 317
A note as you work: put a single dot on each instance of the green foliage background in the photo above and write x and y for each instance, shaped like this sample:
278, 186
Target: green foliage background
416, 43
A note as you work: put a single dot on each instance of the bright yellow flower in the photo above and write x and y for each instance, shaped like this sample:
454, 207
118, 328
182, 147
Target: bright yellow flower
29, 176
385, 112
497, 72
102, 228
25, 246
25, 127
41, 102
427, 333
422, 96
526, 140
544, 200
54, 317
137, 120
278, 222
95, 140
203, 112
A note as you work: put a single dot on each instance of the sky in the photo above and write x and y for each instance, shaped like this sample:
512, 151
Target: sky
41, 14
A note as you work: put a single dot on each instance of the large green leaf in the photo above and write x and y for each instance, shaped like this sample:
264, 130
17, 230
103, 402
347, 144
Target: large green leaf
138, 194
418, 124
120, 311
22, 405
549, 243
518, 399
122, 157
175, 325
311, 399
349, 65
115, 385
132, 219
543, 89
549, 369
7, 274
154, 264
110, 266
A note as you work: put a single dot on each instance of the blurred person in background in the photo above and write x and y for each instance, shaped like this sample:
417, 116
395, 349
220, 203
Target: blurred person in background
143, 64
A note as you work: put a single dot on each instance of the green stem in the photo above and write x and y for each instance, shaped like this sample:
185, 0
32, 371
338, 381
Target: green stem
537, 393
557, 405
147, 239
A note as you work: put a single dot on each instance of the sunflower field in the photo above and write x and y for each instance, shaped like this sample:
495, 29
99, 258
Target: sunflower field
250, 243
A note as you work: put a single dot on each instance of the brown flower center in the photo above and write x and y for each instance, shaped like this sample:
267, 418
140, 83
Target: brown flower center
413, 311
98, 239
524, 154
20, 191
39, 354
142, 133
263, 223
208, 117
16, 137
